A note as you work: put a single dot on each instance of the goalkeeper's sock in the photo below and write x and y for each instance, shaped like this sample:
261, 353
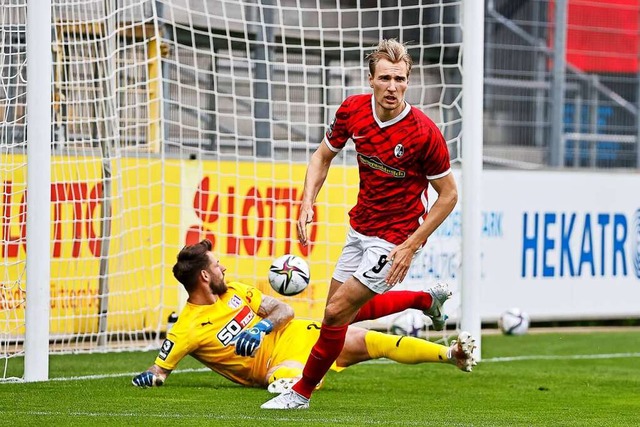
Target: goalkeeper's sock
408, 350
325, 351
393, 302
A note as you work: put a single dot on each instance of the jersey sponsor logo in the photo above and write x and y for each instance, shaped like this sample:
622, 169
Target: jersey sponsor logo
376, 163
231, 330
398, 151
235, 302
167, 345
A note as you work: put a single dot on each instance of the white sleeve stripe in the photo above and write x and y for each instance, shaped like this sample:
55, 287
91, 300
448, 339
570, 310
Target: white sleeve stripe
331, 147
445, 173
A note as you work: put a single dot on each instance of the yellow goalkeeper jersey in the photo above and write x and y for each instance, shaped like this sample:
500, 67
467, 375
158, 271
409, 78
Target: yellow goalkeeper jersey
206, 332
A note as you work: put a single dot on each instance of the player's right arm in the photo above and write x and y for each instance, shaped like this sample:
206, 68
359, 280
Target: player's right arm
154, 376
316, 174
277, 312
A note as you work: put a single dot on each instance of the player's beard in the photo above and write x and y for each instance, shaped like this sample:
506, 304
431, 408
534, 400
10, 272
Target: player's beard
217, 286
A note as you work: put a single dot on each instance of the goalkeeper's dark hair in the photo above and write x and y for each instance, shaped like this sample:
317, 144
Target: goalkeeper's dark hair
391, 50
191, 260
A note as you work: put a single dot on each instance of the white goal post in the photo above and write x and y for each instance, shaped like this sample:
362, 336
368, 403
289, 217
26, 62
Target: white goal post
36, 360
174, 120
472, 155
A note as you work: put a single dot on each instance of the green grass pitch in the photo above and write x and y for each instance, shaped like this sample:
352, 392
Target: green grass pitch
546, 379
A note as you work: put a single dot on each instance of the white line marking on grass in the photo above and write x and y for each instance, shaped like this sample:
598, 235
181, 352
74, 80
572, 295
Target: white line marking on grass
123, 374
571, 357
383, 362
538, 357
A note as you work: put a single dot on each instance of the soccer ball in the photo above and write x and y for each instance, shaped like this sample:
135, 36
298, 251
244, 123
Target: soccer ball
514, 322
289, 275
410, 323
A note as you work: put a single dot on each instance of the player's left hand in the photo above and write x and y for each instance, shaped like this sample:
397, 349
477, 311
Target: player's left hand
306, 218
401, 257
248, 341
147, 379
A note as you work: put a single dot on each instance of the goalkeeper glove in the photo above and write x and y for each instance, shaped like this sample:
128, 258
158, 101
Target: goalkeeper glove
248, 341
147, 379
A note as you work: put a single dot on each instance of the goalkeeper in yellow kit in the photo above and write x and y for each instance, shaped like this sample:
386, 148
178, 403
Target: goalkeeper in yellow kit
253, 339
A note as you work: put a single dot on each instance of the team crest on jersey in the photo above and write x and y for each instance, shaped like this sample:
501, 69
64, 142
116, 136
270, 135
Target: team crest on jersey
235, 302
398, 151
167, 345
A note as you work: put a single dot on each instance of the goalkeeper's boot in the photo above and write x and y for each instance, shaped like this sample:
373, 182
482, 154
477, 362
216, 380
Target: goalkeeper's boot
461, 352
287, 400
440, 293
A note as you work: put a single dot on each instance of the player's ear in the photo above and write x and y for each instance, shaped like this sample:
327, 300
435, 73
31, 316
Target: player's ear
204, 274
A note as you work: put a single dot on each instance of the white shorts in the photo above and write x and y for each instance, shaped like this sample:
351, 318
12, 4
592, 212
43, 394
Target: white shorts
364, 258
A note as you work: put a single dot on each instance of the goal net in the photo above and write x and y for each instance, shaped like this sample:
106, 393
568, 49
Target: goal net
176, 120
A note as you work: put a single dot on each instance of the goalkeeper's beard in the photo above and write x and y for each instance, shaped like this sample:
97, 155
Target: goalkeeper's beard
218, 287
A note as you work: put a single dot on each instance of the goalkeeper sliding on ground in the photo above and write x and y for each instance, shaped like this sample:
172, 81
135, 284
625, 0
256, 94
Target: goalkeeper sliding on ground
253, 339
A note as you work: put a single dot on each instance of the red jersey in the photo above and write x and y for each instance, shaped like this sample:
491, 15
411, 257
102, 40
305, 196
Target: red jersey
396, 160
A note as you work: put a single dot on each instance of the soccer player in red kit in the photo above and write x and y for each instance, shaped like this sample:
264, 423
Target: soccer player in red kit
400, 152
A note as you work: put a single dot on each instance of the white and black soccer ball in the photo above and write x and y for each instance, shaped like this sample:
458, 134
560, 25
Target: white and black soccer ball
514, 322
410, 323
289, 275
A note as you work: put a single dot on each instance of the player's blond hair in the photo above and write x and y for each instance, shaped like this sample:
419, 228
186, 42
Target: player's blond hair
391, 50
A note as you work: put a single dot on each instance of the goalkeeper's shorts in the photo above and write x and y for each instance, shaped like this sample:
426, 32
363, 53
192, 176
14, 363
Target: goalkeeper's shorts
292, 349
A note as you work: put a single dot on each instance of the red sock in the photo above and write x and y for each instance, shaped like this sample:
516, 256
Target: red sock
393, 302
325, 351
